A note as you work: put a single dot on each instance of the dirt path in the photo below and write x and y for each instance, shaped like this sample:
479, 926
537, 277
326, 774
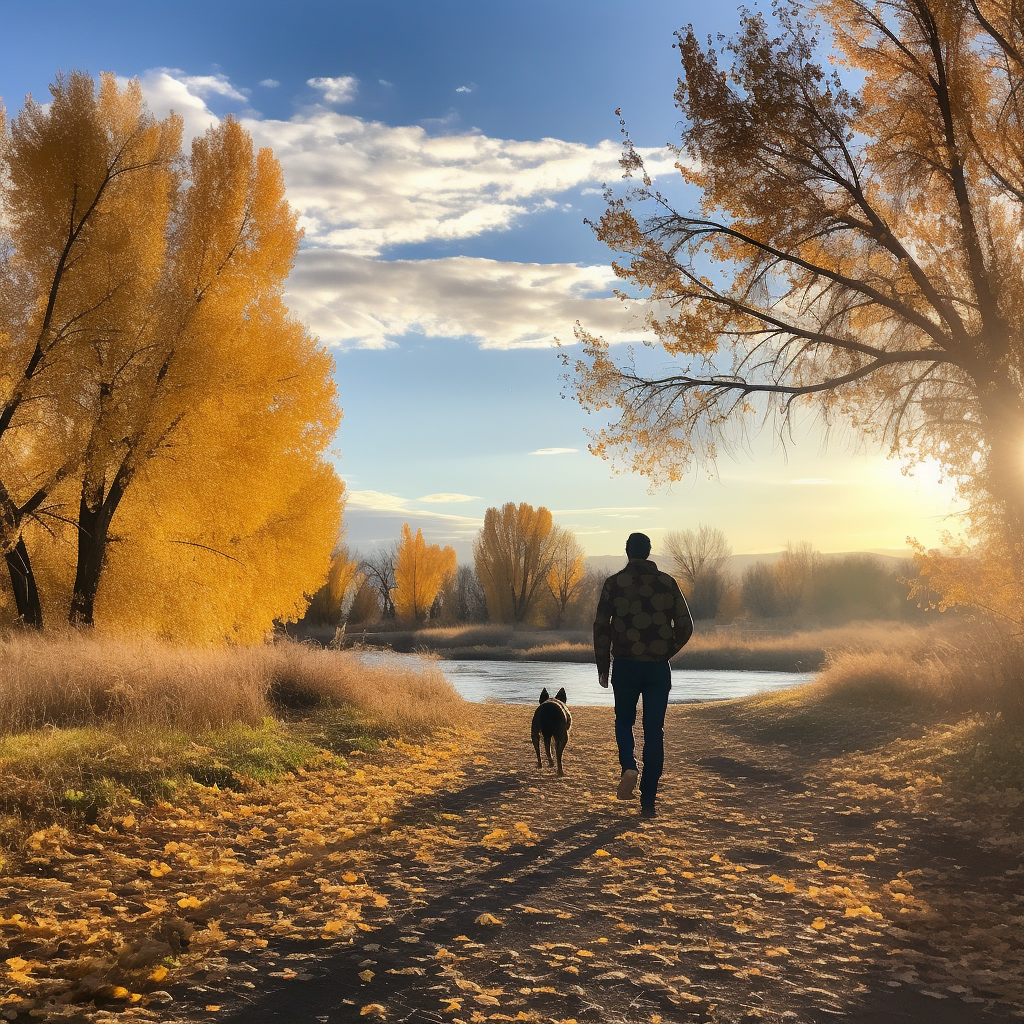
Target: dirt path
770, 888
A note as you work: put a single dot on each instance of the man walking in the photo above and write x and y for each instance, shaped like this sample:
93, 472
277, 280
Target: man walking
641, 621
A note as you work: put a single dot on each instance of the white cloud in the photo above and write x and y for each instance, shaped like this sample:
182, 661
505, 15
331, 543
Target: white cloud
554, 451
336, 90
270, 83
465, 88
376, 501
366, 303
166, 90
364, 186
380, 503
210, 85
446, 497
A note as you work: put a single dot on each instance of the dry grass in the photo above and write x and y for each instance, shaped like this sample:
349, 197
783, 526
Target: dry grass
801, 650
975, 668
74, 680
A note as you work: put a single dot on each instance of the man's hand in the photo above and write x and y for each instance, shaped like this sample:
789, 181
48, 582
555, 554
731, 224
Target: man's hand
602, 678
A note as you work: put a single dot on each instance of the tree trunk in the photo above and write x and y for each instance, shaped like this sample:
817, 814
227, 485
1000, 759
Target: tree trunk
23, 582
96, 510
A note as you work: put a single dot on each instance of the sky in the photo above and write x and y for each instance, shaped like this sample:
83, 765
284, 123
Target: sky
443, 157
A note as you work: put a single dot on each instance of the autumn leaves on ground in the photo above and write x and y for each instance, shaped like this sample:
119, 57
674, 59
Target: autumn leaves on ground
850, 848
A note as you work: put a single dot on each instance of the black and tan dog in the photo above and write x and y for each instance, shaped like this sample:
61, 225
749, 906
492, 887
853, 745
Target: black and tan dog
553, 721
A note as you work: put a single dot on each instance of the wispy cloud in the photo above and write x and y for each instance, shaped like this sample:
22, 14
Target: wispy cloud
554, 451
364, 186
336, 90
381, 503
366, 303
270, 83
465, 88
446, 497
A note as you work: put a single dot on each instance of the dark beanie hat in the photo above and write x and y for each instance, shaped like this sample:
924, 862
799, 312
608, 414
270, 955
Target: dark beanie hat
638, 545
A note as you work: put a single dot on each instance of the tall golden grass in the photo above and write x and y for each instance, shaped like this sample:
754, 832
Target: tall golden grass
75, 680
975, 668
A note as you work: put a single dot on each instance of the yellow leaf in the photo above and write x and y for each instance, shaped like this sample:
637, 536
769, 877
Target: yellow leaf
350, 877
583, 952
190, 902
16, 963
488, 919
716, 859
601, 853
366, 975
212, 1007
818, 923
375, 1008
128, 821
158, 974
864, 911
660, 871
776, 951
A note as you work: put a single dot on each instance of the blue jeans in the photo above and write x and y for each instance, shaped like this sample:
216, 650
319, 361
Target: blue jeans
652, 679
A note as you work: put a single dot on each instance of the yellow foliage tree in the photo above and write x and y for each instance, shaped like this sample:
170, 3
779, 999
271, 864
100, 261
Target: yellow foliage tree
164, 418
567, 573
421, 570
514, 553
856, 249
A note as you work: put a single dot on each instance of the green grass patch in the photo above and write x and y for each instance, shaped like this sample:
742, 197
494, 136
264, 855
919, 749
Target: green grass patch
77, 774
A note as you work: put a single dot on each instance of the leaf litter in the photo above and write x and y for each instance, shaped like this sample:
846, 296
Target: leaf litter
458, 882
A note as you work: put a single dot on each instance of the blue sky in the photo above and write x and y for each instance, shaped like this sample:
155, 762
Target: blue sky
443, 157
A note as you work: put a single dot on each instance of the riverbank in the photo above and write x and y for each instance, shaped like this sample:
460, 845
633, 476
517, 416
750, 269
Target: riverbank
849, 848
736, 647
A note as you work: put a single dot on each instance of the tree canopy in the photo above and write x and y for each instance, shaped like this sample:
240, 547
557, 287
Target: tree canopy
163, 417
856, 245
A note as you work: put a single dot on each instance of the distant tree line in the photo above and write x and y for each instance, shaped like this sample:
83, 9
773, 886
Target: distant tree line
528, 571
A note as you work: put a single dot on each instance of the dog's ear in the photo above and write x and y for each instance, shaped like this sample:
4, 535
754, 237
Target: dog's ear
561, 696
544, 695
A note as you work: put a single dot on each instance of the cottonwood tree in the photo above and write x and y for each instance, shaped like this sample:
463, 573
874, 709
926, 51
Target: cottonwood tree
856, 248
697, 558
328, 604
421, 570
157, 394
513, 554
568, 572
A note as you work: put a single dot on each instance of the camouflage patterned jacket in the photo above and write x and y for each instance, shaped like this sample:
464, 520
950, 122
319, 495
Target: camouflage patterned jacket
641, 615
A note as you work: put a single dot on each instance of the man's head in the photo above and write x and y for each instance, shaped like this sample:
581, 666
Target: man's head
638, 545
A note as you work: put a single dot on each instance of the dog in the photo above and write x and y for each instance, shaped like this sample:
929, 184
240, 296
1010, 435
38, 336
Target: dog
553, 721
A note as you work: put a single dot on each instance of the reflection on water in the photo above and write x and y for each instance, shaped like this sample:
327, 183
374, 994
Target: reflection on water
520, 682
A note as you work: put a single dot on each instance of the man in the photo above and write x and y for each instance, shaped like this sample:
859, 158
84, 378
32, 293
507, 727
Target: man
642, 620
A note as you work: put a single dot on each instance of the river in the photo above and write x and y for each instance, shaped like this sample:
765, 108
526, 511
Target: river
520, 682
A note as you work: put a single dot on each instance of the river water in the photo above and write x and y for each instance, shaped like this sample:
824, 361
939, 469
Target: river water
520, 682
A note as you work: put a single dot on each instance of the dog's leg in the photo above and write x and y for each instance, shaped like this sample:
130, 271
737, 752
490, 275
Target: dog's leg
560, 742
547, 748
536, 744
